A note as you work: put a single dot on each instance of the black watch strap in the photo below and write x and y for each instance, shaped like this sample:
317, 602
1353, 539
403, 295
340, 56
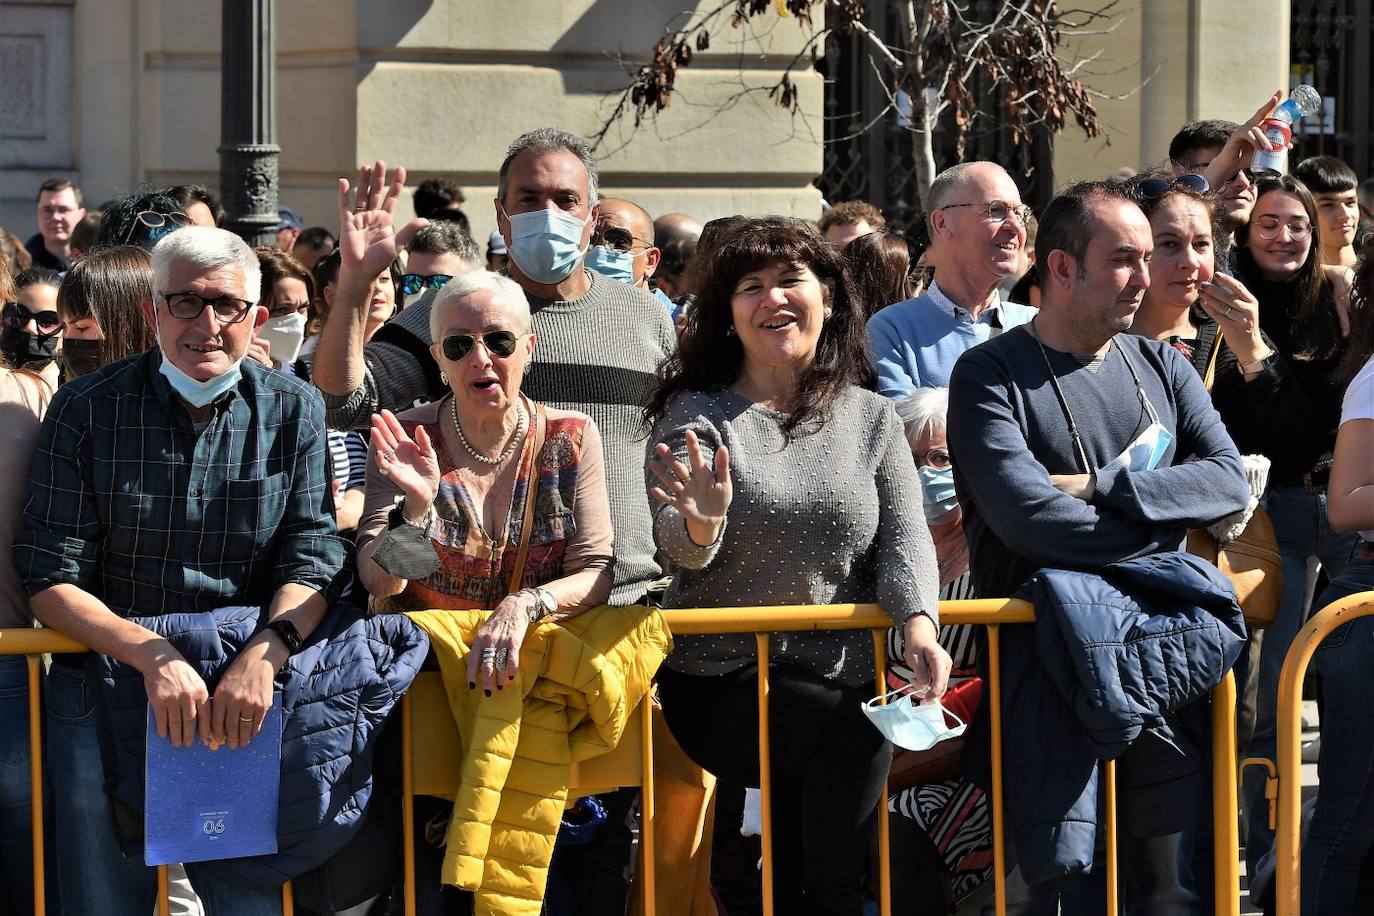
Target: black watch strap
288, 633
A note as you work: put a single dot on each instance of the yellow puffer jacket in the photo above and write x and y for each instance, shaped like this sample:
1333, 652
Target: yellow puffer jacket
580, 680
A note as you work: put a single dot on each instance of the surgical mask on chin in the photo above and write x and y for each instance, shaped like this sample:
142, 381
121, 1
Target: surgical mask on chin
284, 336
618, 265
193, 391
1145, 453
909, 724
546, 244
937, 493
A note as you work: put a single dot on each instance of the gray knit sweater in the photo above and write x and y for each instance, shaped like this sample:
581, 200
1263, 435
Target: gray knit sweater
597, 355
832, 517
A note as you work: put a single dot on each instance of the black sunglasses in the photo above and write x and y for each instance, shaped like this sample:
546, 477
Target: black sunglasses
500, 343
614, 237
1151, 188
15, 315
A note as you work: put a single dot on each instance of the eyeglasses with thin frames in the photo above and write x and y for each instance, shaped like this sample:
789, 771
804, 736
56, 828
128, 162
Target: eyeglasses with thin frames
997, 211
1269, 227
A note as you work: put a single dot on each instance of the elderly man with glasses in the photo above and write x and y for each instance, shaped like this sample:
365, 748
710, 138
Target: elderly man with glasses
181, 481
977, 229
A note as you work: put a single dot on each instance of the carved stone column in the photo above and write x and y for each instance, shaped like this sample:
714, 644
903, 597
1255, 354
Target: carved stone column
248, 119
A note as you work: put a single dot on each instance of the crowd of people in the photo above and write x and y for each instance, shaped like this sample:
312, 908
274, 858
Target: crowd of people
289, 446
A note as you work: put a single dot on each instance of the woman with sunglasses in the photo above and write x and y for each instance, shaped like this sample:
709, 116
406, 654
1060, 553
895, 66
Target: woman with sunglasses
24, 399
30, 328
447, 485
780, 480
1280, 263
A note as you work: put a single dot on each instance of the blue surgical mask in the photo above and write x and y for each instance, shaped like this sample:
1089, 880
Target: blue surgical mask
910, 724
195, 392
937, 492
545, 244
1145, 453
618, 265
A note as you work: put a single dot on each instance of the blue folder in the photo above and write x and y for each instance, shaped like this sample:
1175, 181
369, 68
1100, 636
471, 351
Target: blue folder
204, 804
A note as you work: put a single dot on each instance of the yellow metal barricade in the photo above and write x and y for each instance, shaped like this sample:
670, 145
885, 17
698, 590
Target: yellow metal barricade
1287, 838
431, 750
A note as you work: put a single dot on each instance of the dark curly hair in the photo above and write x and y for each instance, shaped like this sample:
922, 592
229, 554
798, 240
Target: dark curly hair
710, 356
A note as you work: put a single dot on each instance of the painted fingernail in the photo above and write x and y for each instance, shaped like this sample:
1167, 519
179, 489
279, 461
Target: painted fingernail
487, 692
472, 685
499, 687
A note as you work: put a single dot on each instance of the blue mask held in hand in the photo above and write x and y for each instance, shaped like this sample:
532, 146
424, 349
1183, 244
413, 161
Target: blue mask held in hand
545, 244
909, 724
937, 492
618, 265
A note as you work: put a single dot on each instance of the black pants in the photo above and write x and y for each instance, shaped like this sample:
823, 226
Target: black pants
828, 768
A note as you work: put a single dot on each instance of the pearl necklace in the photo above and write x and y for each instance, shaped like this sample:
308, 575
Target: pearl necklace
478, 456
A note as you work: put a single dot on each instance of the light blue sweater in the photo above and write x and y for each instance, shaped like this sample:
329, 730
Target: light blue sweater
916, 343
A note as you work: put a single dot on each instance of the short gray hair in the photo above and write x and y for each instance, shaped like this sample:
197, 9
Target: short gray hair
924, 409
551, 140
208, 249
503, 289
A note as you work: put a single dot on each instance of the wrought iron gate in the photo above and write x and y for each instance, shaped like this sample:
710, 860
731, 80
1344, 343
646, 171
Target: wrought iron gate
1331, 50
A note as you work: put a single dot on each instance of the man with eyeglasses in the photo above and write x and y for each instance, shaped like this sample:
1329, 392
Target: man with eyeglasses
59, 209
977, 229
183, 480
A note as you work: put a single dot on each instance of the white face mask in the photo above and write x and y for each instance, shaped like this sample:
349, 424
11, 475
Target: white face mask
910, 724
283, 336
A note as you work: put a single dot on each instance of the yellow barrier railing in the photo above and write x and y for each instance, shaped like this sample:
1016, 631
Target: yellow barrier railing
1287, 838
991, 613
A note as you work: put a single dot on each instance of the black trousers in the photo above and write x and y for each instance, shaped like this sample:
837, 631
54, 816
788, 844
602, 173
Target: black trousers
828, 768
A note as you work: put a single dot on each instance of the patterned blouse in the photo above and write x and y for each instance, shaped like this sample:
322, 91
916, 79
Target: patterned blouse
572, 523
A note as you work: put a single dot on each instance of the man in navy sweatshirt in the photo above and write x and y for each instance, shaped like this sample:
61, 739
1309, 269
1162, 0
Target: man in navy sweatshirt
1076, 446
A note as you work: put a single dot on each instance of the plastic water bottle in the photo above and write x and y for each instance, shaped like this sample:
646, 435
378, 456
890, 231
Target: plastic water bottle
1278, 129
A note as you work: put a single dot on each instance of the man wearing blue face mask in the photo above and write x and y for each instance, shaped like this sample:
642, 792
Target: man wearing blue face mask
178, 481
623, 247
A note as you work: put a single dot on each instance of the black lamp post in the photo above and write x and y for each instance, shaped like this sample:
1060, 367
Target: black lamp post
248, 119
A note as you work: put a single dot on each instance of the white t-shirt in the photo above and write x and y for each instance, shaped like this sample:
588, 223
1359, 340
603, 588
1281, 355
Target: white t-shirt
1359, 405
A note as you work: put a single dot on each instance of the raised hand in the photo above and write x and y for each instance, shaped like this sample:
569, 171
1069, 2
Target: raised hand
368, 240
699, 491
1240, 147
410, 463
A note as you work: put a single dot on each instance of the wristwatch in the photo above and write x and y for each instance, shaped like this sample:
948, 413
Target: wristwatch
544, 604
288, 633
1258, 365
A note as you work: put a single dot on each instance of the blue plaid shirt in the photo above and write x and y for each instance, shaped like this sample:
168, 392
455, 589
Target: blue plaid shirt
130, 503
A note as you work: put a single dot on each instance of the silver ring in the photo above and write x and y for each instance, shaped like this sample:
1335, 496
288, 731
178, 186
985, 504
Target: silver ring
502, 658
488, 652
385, 472
245, 718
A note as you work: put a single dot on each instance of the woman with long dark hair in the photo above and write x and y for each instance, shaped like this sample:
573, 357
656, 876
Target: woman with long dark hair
780, 480
1338, 856
1279, 261
880, 266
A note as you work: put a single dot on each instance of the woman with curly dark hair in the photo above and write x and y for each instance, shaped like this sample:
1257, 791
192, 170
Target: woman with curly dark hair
1338, 856
782, 481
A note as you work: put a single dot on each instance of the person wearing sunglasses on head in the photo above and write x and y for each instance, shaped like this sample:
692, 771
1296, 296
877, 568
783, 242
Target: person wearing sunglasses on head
1192, 151
1299, 303
141, 219
977, 227
30, 328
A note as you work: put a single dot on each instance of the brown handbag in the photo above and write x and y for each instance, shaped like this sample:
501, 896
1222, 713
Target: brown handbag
1251, 561
531, 494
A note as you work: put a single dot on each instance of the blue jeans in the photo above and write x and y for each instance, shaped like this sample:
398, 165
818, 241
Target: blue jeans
95, 877
1305, 539
1340, 842
16, 798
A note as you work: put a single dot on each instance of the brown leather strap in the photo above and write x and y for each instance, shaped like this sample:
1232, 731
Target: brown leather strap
531, 493
1211, 375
